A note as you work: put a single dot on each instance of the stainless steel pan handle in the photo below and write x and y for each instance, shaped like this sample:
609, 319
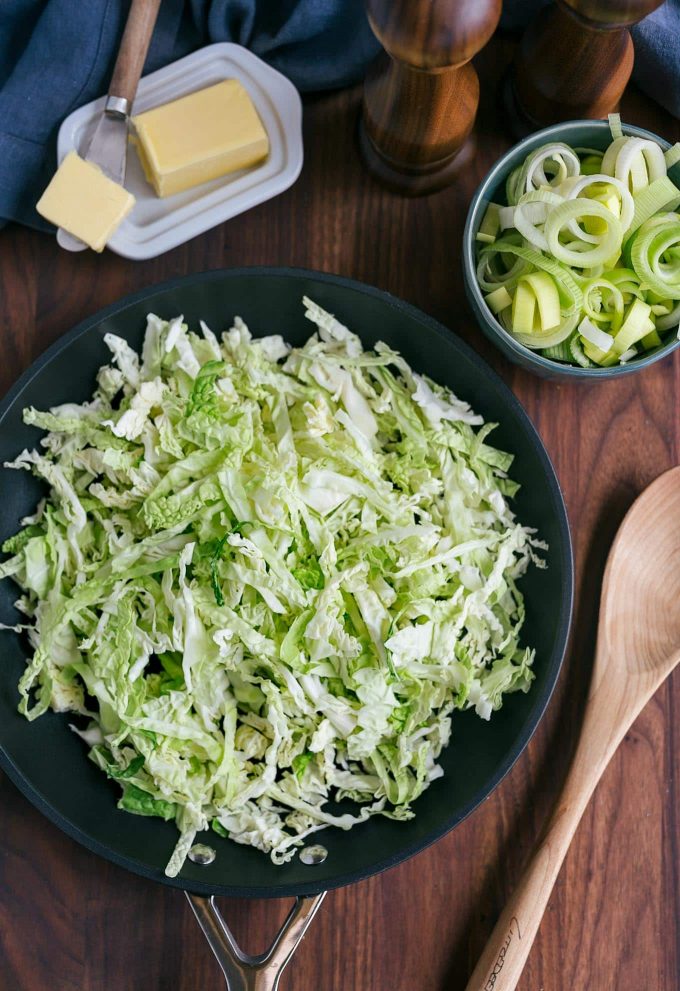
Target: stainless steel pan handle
242, 971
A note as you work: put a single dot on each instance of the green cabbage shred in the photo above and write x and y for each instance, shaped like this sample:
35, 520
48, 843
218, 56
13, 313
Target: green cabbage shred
263, 578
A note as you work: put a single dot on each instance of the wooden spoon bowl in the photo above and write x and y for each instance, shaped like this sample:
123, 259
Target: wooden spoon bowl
641, 592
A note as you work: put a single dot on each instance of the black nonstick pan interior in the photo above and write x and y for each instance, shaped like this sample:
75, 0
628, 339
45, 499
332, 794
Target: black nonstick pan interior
49, 763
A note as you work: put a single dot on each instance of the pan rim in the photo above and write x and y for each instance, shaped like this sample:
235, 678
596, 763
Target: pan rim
554, 661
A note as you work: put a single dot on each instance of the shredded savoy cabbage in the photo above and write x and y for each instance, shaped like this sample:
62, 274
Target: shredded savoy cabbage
265, 577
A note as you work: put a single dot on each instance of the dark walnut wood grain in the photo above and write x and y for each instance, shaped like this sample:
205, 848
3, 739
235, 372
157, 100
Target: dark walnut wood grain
72, 922
574, 61
421, 95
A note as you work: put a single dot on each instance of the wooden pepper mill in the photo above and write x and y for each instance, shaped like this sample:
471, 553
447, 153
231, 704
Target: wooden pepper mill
574, 61
421, 96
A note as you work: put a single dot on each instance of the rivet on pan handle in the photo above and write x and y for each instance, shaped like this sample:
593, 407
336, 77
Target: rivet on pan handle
242, 971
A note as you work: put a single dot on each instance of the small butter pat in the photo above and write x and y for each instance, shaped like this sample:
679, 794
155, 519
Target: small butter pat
199, 137
84, 201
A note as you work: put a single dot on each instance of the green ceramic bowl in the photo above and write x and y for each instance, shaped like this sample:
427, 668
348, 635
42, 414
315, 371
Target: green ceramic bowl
578, 134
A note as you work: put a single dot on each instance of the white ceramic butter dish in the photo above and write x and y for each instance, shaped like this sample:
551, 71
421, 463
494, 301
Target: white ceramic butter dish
157, 225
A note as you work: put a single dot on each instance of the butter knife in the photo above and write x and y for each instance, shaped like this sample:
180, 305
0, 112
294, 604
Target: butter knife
108, 145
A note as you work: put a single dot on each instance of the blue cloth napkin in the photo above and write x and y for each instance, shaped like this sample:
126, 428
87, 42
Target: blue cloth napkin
56, 55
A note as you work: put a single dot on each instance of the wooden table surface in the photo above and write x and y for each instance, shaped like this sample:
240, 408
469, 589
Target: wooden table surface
72, 922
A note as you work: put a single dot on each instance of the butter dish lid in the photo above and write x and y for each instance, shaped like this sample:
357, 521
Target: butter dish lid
157, 225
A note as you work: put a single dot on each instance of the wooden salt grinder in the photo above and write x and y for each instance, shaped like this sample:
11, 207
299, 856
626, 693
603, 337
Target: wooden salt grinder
421, 96
574, 61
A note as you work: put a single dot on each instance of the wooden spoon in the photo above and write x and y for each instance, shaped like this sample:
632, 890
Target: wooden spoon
638, 645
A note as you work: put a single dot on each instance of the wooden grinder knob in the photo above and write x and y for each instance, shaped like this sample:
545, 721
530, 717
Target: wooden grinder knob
574, 61
421, 96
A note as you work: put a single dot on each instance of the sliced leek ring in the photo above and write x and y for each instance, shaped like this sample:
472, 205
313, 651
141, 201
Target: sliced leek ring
577, 352
548, 166
661, 194
636, 326
627, 204
671, 320
536, 304
603, 302
490, 225
531, 213
636, 162
492, 271
599, 357
615, 126
655, 255
591, 333
581, 253
571, 296
672, 156
542, 339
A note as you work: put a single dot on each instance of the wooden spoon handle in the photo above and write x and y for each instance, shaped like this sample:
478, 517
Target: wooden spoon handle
502, 962
505, 954
133, 49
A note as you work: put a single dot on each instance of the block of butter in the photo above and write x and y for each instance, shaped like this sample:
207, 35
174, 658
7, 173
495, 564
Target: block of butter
200, 137
84, 201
